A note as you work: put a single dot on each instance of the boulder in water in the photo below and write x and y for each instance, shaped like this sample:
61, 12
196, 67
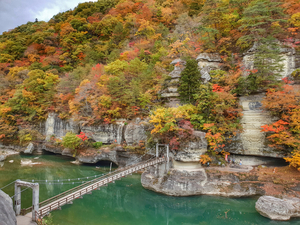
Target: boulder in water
2, 158
278, 209
29, 148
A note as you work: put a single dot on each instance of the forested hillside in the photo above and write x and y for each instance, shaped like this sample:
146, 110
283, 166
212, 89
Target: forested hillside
111, 59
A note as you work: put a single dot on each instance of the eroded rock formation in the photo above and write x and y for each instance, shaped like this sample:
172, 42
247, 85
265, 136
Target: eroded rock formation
278, 209
289, 60
197, 182
208, 62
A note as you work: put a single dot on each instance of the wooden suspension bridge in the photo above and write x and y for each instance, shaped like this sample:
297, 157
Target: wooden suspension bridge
39, 210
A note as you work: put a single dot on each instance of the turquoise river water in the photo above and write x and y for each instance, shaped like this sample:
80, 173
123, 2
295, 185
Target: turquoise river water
125, 202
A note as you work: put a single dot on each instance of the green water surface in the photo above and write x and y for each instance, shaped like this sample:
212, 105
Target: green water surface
125, 202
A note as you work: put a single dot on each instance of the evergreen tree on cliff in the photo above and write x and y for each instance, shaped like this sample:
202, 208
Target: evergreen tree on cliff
189, 81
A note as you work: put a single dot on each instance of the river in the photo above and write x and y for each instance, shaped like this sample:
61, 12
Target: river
125, 202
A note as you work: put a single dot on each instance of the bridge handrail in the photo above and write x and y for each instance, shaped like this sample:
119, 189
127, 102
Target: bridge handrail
70, 191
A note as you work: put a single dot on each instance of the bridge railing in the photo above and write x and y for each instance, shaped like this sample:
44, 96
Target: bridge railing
39, 220
76, 192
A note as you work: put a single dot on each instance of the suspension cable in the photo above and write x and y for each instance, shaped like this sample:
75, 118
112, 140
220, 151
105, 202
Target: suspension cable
19, 193
7, 185
59, 180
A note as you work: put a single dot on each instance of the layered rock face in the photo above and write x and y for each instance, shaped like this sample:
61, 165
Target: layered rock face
289, 60
135, 131
106, 133
208, 62
7, 214
117, 155
196, 182
131, 133
192, 152
278, 209
171, 93
252, 141
54, 126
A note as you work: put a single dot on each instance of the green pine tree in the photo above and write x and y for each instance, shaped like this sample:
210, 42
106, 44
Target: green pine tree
189, 82
268, 66
260, 19
267, 61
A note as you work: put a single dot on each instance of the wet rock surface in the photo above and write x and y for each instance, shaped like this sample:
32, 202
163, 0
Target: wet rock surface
278, 209
7, 214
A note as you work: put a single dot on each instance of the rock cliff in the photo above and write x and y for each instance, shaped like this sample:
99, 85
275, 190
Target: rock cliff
289, 60
7, 214
116, 154
131, 133
252, 141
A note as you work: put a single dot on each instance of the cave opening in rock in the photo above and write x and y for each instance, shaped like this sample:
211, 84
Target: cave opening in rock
103, 163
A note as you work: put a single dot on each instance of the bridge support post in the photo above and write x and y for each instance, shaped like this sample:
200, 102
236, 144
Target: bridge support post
17, 199
35, 197
35, 201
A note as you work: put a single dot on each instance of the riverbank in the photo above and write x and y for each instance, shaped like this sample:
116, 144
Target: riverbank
4, 153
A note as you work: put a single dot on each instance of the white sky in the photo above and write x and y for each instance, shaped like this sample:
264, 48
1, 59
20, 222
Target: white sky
14, 13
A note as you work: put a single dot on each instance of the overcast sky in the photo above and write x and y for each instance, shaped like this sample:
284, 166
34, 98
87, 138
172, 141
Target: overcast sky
14, 13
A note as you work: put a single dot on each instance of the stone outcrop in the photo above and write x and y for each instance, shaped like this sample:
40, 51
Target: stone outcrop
115, 154
2, 158
193, 150
7, 214
252, 141
29, 149
170, 93
289, 59
131, 133
135, 131
7, 150
208, 62
105, 133
278, 209
197, 182
54, 126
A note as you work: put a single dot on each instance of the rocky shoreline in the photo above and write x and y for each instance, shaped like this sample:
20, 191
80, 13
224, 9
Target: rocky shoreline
6, 151
219, 181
